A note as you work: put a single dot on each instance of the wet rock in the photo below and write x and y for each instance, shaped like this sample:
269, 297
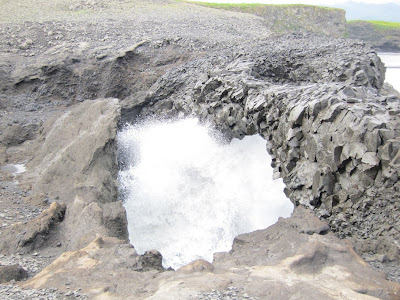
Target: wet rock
150, 260
312, 261
324, 229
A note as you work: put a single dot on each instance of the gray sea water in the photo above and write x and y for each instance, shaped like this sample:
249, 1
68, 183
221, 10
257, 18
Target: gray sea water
392, 63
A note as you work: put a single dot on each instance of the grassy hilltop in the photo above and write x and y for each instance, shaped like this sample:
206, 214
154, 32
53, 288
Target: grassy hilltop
291, 17
384, 36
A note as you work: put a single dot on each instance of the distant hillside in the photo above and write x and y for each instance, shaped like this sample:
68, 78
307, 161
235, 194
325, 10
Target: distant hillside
293, 18
384, 36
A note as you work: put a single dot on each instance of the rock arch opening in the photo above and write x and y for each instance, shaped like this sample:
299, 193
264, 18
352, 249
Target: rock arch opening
188, 192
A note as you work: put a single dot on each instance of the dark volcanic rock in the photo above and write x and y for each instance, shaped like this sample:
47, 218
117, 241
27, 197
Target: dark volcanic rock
150, 260
296, 18
16, 134
12, 272
332, 134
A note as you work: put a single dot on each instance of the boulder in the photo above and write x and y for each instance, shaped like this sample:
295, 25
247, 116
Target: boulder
75, 154
75, 162
12, 272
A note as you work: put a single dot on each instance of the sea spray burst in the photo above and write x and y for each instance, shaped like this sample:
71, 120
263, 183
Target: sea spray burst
188, 194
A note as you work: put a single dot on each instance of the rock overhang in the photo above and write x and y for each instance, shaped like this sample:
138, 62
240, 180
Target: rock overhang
320, 105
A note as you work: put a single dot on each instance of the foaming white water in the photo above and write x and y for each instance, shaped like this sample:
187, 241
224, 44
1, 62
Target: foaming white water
188, 195
14, 169
392, 63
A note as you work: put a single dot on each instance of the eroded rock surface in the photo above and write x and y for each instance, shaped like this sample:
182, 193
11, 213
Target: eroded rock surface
278, 263
75, 154
75, 163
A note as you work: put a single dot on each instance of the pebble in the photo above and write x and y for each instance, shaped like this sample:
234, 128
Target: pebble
13, 208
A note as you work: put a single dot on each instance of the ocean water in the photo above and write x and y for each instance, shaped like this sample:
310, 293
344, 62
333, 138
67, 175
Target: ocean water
392, 63
14, 169
187, 193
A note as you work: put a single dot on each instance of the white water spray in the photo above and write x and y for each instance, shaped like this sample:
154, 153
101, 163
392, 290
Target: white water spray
188, 195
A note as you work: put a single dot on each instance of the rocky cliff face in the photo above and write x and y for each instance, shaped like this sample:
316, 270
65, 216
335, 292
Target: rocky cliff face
295, 18
331, 133
383, 39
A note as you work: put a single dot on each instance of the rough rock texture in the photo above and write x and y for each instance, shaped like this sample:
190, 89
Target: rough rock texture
75, 154
91, 269
276, 263
331, 133
85, 219
75, 163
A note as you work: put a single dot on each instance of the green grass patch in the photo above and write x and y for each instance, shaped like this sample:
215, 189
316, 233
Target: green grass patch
225, 5
380, 25
247, 7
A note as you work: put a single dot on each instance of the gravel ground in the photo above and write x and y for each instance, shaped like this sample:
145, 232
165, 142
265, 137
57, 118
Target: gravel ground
13, 207
230, 293
14, 292
126, 23
381, 264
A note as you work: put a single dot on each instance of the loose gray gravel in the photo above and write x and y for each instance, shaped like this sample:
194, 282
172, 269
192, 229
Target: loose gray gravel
33, 263
14, 292
230, 293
